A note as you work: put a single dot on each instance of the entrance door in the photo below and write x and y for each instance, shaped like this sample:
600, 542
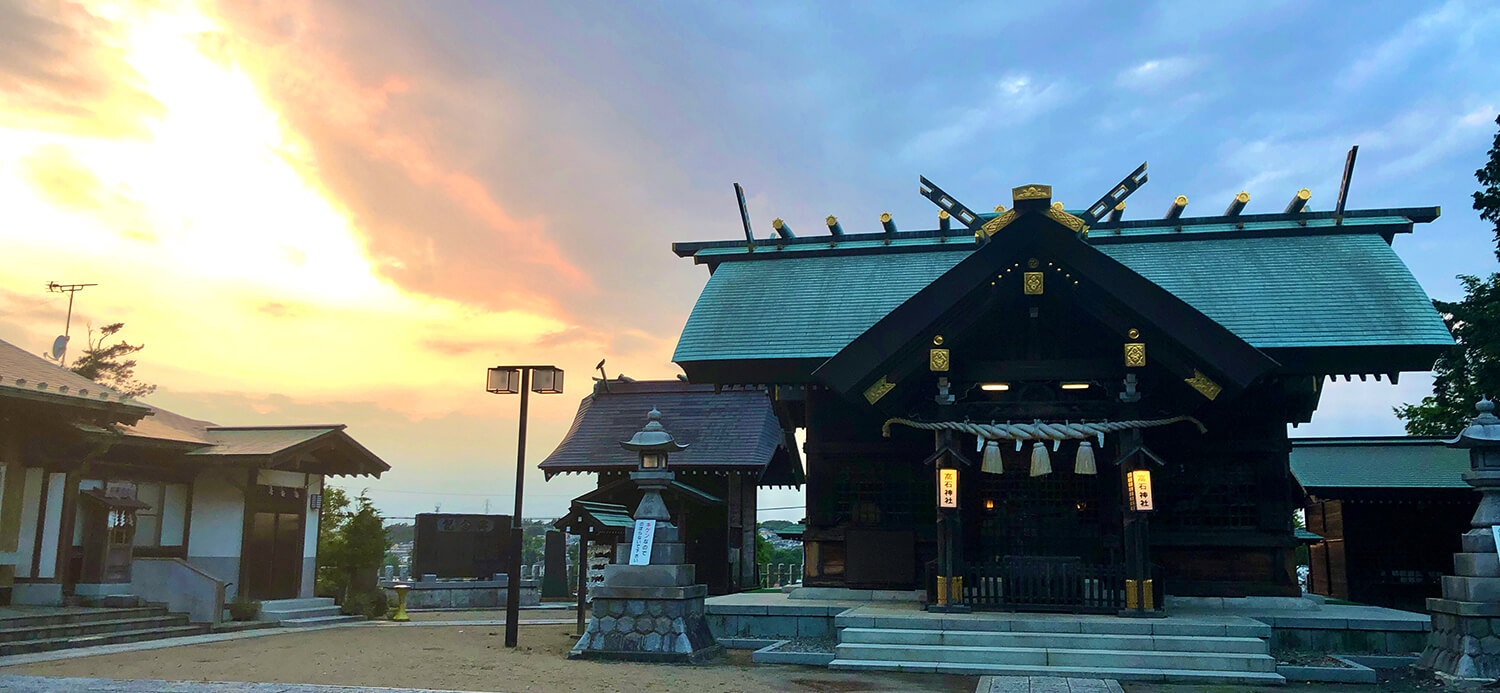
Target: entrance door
272, 563
274, 555
1044, 543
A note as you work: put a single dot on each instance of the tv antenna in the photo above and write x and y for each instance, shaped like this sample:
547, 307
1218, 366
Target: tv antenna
60, 345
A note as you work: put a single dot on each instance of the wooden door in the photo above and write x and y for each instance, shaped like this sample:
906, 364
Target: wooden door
271, 565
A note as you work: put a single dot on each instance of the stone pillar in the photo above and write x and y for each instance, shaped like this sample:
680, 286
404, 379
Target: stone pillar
1465, 637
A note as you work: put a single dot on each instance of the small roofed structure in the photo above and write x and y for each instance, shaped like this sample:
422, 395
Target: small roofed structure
738, 443
1389, 512
102, 482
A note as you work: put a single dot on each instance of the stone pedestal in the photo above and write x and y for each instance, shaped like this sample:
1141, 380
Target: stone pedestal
1465, 637
649, 612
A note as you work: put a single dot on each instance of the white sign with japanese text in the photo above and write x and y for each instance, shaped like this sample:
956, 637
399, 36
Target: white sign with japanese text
1140, 490
640, 547
947, 488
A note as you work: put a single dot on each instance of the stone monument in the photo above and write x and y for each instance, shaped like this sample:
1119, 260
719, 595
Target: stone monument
1465, 637
649, 608
555, 570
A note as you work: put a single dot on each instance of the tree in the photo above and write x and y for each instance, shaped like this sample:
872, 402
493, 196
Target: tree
109, 365
331, 578
1470, 369
1487, 201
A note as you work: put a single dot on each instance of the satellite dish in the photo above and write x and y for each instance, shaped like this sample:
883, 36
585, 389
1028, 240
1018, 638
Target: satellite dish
59, 346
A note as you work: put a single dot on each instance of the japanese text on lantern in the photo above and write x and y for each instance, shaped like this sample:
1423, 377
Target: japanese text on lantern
947, 488
1140, 490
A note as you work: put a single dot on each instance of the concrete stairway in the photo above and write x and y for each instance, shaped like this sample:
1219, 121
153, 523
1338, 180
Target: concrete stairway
66, 629
294, 613
1177, 650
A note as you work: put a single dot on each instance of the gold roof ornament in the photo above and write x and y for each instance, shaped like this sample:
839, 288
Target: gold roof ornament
878, 390
1031, 192
1203, 385
993, 226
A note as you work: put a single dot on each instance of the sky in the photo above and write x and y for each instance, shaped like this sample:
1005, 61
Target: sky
344, 212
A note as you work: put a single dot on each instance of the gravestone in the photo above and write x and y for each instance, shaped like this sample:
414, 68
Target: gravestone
555, 566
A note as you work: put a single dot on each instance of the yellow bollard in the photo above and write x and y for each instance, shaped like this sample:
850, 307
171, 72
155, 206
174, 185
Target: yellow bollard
400, 615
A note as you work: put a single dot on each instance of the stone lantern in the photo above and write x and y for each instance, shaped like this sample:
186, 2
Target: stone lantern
1465, 637
650, 607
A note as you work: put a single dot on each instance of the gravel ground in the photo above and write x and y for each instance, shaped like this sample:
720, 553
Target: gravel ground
465, 658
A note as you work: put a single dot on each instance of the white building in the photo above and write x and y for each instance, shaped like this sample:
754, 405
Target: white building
103, 495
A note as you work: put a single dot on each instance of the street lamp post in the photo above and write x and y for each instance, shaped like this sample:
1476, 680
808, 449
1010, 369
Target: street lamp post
510, 380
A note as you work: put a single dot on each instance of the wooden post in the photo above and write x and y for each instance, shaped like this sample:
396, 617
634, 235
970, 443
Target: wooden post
583, 578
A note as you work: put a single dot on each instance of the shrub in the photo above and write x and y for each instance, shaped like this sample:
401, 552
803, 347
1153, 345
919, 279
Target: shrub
371, 605
242, 609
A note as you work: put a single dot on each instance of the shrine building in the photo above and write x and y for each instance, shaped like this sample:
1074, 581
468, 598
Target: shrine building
1063, 377
105, 498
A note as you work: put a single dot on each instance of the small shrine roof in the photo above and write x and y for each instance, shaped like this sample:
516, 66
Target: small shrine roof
735, 429
1378, 462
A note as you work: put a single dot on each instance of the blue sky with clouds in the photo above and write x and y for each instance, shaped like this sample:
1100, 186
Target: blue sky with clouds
545, 155
640, 116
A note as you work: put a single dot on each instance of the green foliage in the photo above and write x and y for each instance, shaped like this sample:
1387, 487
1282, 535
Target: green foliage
370, 604
109, 365
242, 609
1487, 200
1469, 370
351, 537
331, 577
364, 536
534, 540
400, 532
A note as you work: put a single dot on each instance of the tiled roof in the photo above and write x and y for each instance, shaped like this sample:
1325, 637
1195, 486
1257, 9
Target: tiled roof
1284, 285
164, 425
260, 440
1294, 291
802, 307
24, 372
727, 430
1378, 462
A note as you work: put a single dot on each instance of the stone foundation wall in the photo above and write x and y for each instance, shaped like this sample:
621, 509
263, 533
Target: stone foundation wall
1467, 646
669, 627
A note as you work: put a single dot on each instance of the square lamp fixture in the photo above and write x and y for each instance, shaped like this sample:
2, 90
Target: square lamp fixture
653, 460
547, 380
503, 381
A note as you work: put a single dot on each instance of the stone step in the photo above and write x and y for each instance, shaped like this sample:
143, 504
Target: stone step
1059, 657
319, 621
294, 604
1125, 674
283, 615
1077, 641
46, 645
1236, 627
61, 617
63, 630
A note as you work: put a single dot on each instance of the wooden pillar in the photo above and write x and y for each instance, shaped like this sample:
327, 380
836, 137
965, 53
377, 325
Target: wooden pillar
583, 579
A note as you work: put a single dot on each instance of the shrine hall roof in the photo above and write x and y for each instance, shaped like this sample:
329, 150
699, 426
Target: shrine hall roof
729, 430
1378, 462
1306, 280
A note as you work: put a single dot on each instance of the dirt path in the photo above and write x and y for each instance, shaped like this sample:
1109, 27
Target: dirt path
464, 658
